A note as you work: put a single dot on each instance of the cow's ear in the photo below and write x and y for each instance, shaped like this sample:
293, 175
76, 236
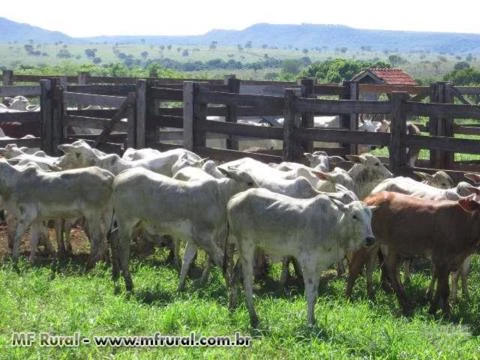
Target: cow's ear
309, 156
64, 147
473, 177
355, 158
424, 176
469, 203
321, 174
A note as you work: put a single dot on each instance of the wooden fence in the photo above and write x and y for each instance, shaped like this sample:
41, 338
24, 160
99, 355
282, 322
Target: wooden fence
153, 105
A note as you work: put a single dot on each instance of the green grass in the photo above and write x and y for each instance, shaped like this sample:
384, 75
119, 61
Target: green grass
67, 300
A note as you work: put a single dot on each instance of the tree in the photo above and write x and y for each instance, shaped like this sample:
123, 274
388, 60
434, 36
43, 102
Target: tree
213, 45
461, 65
338, 70
396, 60
465, 76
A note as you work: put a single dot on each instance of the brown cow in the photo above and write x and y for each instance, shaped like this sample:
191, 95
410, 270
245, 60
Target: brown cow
445, 231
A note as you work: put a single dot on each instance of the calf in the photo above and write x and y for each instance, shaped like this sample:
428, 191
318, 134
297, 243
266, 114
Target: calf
317, 232
449, 232
32, 196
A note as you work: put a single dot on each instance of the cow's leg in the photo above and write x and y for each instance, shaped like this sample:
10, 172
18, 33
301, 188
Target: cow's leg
190, 251
372, 260
407, 264
431, 285
44, 238
123, 254
311, 279
443, 291
285, 270
355, 266
391, 266
98, 241
21, 227
11, 227
206, 271
114, 244
59, 227
247, 256
35, 230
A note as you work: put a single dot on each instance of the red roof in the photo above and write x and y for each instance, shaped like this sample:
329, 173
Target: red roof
393, 76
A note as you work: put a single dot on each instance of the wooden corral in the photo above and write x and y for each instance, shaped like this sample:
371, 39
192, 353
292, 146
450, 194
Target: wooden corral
161, 110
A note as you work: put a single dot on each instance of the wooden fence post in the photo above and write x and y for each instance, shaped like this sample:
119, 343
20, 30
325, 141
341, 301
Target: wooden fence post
193, 113
307, 88
350, 121
440, 93
141, 114
132, 123
58, 115
291, 122
397, 148
233, 85
46, 114
83, 77
7, 77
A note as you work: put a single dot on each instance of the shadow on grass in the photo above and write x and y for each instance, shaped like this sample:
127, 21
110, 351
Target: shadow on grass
154, 296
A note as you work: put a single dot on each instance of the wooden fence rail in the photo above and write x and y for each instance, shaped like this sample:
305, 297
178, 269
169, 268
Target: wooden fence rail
147, 104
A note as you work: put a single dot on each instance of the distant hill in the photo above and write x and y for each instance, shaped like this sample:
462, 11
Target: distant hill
305, 36
11, 31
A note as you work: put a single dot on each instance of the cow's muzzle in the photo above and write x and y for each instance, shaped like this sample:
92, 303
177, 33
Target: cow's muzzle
369, 241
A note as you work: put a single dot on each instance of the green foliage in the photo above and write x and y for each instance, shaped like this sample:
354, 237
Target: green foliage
338, 70
465, 76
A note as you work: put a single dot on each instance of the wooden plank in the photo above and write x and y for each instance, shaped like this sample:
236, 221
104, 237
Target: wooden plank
444, 143
341, 135
231, 115
94, 123
103, 89
189, 93
397, 148
290, 126
167, 94
241, 129
58, 114
389, 88
35, 142
445, 110
46, 115
23, 117
334, 107
267, 102
20, 90
141, 107
102, 113
329, 89
109, 126
166, 121
94, 99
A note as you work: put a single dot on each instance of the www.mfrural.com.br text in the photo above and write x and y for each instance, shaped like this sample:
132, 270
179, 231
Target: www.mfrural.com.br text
45, 339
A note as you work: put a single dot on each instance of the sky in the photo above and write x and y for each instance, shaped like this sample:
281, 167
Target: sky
195, 17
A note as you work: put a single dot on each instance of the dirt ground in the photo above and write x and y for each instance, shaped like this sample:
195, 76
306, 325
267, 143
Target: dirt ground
78, 239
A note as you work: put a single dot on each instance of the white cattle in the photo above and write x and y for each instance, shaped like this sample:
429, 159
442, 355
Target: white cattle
292, 183
317, 232
32, 196
191, 211
366, 173
44, 161
439, 179
137, 154
12, 150
82, 155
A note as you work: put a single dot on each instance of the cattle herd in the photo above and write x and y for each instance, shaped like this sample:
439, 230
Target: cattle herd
315, 216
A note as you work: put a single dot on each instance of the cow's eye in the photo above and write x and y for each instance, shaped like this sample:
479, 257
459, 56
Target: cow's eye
355, 217
250, 184
377, 164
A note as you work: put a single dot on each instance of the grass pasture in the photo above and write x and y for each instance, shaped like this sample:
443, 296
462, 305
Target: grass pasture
62, 300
